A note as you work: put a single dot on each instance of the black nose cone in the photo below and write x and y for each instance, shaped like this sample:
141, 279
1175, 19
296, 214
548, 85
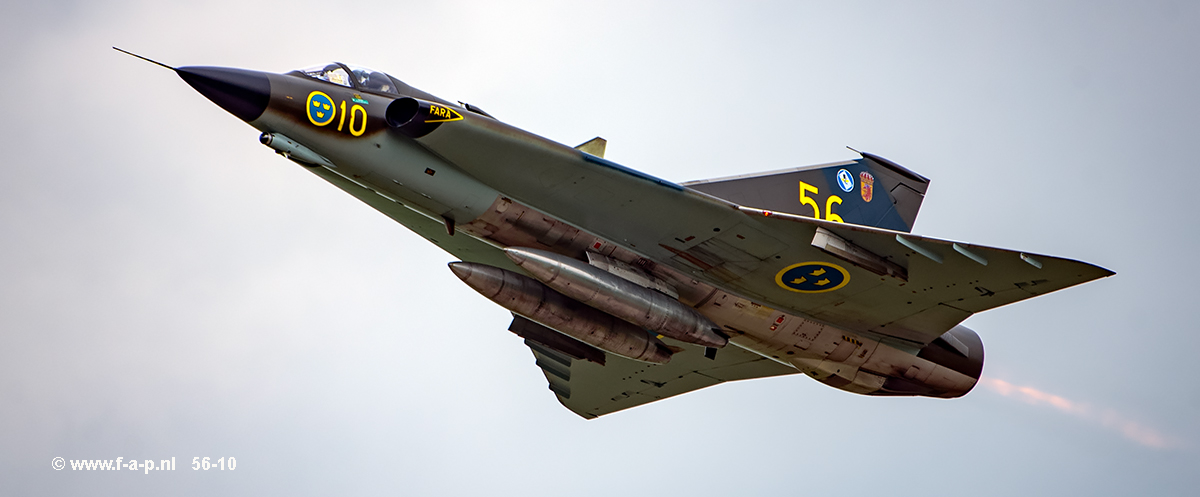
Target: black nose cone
243, 93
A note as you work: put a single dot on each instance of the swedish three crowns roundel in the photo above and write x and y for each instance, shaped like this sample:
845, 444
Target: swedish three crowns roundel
813, 277
320, 108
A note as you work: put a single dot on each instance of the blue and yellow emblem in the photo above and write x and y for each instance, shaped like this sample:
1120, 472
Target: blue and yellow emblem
845, 180
813, 277
320, 108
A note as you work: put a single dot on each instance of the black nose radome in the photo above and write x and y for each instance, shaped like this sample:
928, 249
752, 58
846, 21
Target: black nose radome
243, 93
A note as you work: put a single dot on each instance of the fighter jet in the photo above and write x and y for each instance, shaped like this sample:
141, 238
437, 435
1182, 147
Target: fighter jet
628, 288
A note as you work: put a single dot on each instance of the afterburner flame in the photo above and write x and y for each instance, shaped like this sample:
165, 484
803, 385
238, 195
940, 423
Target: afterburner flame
1107, 418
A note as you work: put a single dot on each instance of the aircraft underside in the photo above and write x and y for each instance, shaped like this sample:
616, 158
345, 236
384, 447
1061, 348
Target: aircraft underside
628, 288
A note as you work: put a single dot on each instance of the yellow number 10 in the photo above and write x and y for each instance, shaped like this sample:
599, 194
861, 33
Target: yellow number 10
806, 200
354, 112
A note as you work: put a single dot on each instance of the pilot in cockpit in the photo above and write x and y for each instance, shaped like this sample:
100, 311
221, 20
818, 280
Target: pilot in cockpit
363, 78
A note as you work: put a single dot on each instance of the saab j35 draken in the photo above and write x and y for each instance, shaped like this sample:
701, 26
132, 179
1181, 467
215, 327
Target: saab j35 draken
629, 288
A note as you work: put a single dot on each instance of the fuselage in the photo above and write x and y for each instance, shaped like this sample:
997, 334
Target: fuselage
339, 127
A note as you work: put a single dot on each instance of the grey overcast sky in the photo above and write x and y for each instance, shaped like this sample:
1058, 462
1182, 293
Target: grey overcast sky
170, 288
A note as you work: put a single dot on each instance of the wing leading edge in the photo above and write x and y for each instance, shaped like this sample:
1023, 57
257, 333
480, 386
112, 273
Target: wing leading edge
746, 252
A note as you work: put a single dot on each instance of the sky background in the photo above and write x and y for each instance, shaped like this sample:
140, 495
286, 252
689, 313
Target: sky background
171, 288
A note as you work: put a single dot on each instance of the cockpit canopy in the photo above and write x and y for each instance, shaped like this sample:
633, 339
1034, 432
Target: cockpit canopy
353, 77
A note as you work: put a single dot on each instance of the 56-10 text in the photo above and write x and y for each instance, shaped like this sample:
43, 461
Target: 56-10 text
207, 463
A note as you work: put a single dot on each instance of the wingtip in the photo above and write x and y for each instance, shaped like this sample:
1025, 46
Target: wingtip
1103, 271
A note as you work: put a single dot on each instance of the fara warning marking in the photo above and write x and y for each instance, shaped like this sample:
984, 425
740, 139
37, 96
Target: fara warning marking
439, 114
813, 277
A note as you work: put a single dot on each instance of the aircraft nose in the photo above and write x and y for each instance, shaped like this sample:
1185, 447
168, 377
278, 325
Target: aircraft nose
243, 93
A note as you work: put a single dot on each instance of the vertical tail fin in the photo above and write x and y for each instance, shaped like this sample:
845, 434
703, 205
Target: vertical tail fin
871, 191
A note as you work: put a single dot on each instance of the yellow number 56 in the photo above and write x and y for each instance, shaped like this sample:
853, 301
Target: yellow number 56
806, 200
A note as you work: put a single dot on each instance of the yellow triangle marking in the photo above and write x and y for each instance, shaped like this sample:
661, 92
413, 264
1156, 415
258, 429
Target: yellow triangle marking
823, 282
817, 272
454, 115
798, 281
